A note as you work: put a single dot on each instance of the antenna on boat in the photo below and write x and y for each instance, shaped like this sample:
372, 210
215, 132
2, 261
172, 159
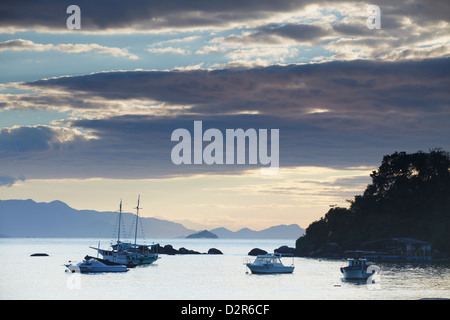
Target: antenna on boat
120, 220
137, 219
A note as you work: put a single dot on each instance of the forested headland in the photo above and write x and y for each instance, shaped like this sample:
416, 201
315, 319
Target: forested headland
409, 197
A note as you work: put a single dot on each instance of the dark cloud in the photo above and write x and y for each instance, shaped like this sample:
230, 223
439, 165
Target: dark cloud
334, 114
415, 30
140, 14
360, 87
140, 147
8, 181
274, 34
27, 139
299, 32
154, 15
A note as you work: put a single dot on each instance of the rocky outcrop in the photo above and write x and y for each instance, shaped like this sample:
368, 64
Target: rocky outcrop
214, 251
167, 249
183, 250
285, 250
170, 250
257, 252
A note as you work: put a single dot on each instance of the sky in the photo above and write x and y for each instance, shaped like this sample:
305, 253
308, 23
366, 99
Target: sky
87, 115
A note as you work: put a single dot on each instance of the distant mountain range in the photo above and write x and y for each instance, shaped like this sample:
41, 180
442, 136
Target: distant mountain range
27, 218
292, 231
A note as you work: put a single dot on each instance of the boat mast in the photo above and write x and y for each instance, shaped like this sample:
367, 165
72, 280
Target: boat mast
137, 220
120, 220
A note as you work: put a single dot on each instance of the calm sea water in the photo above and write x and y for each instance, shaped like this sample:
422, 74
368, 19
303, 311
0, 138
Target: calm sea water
202, 277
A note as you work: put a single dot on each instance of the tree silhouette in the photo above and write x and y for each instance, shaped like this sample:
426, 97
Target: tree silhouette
409, 197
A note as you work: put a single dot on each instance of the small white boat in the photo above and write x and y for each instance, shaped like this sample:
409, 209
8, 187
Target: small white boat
269, 264
93, 265
357, 270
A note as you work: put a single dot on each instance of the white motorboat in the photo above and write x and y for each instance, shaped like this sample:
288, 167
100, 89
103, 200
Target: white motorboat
93, 265
357, 269
269, 264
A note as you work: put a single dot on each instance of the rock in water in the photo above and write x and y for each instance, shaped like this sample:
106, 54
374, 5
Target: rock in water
257, 252
214, 251
285, 250
187, 251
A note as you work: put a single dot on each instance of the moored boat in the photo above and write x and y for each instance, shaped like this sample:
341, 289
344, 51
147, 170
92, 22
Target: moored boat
269, 264
357, 269
127, 253
93, 265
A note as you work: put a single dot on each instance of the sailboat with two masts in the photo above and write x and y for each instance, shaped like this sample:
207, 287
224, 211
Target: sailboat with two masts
127, 253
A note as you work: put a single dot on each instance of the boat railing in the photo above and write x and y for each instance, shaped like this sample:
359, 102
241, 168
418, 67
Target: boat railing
269, 262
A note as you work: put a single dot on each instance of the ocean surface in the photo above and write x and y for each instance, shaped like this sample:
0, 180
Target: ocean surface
203, 277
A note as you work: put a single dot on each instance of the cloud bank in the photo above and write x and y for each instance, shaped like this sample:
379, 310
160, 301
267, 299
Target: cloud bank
334, 114
371, 92
245, 33
155, 15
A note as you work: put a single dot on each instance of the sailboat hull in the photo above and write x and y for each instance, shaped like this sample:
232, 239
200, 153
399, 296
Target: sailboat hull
130, 259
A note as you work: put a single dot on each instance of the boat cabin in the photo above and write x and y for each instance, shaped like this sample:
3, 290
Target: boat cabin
357, 262
264, 259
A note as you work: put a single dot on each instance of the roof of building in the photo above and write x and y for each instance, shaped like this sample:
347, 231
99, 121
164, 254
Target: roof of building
402, 240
